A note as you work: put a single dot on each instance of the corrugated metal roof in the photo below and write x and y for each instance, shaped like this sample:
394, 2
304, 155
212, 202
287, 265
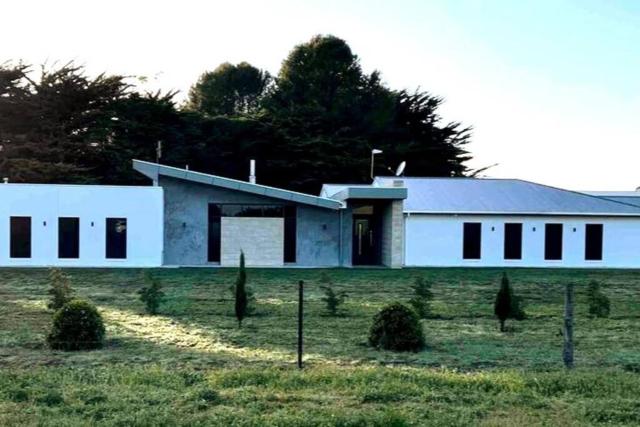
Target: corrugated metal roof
628, 197
152, 170
502, 196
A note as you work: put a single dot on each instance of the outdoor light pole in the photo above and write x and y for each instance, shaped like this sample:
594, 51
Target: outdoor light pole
373, 153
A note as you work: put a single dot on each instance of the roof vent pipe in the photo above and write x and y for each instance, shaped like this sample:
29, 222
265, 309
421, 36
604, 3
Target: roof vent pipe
252, 171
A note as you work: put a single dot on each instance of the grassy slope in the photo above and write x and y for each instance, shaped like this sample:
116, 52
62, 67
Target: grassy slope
162, 366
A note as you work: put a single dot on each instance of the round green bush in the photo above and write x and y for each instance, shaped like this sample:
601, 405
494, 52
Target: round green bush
396, 327
76, 326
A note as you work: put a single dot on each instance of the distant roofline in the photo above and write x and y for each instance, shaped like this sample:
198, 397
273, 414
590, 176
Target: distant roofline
153, 170
613, 193
26, 184
584, 194
516, 213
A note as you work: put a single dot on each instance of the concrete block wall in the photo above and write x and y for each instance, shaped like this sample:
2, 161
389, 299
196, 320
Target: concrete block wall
261, 240
393, 235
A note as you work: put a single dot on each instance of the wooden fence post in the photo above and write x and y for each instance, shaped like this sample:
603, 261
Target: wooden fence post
567, 351
300, 318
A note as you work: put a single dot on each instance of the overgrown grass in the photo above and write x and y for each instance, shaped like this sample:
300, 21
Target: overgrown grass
191, 365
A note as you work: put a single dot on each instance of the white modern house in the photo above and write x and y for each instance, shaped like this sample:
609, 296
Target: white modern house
465, 222
187, 218
80, 226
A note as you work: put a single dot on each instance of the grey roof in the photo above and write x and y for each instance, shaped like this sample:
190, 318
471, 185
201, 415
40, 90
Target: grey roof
153, 170
628, 197
362, 191
502, 196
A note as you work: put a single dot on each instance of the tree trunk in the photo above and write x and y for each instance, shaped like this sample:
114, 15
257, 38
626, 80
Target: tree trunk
567, 352
501, 325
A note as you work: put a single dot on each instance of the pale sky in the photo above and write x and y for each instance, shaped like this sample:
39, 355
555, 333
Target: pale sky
551, 87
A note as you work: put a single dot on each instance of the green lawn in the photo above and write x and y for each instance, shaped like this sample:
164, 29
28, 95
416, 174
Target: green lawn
191, 365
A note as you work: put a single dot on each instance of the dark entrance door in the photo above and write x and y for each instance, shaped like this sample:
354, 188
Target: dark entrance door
365, 241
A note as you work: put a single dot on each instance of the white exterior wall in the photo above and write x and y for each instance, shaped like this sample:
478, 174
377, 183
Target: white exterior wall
142, 206
436, 240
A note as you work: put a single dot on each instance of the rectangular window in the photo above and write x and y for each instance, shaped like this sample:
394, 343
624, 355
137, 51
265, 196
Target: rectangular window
116, 238
593, 242
553, 242
513, 241
20, 240
68, 237
471, 240
290, 230
214, 234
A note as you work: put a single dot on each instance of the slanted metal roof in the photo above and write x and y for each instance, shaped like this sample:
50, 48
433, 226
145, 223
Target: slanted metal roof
153, 170
628, 197
502, 196
362, 191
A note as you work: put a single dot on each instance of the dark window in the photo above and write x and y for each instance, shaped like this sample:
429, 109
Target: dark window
290, 234
553, 242
513, 241
593, 242
117, 238
252, 211
20, 241
471, 240
213, 242
68, 237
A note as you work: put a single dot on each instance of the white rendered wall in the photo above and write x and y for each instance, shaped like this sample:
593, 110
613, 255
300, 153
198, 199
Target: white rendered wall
142, 206
436, 240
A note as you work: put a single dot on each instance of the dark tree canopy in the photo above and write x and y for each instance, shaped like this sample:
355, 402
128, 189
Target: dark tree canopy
229, 90
49, 126
316, 122
331, 114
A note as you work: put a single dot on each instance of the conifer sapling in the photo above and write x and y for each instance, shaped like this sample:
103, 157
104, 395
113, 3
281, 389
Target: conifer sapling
332, 298
422, 296
502, 307
60, 290
151, 295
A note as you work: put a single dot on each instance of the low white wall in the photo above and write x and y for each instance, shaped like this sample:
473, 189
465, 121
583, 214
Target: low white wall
261, 240
142, 206
436, 240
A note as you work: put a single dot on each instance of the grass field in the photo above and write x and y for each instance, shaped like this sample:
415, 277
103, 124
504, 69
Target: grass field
191, 365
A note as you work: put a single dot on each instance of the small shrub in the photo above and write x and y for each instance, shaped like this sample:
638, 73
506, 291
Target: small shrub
151, 295
422, 296
18, 395
397, 327
205, 397
192, 377
60, 291
76, 326
332, 299
599, 304
507, 305
50, 398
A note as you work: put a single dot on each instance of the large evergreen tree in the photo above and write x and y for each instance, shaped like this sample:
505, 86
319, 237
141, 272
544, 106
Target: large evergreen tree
229, 90
328, 114
316, 122
50, 126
